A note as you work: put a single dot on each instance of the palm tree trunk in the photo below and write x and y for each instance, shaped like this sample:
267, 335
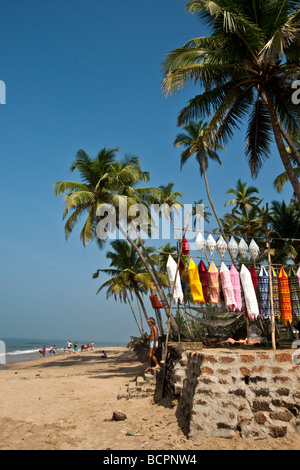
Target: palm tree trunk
286, 136
281, 147
134, 315
153, 277
139, 299
290, 143
211, 201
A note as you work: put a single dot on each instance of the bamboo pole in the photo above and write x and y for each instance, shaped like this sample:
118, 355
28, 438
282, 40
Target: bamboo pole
273, 325
170, 313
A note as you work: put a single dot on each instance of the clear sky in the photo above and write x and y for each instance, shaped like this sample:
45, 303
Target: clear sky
87, 74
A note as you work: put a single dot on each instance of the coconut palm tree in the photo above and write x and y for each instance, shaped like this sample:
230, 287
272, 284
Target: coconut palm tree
282, 179
106, 181
166, 200
246, 67
284, 223
244, 197
205, 213
128, 270
196, 140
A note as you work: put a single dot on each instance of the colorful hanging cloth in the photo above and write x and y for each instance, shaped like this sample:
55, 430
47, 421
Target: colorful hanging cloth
195, 284
264, 294
227, 288
254, 277
249, 293
174, 283
298, 274
213, 282
204, 280
276, 299
284, 297
254, 282
294, 292
236, 284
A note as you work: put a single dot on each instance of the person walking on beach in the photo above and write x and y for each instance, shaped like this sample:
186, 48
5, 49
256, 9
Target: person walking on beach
69, 346
44, 351
153, 338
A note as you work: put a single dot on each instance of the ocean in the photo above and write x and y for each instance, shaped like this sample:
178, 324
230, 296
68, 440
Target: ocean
22, 349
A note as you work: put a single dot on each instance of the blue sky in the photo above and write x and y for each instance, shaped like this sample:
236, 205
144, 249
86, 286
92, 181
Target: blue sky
87, 74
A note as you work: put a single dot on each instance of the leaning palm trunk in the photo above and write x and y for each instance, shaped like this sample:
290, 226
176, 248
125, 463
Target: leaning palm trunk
141, 303
290, 143
281, 147
153, 276
136, 320
286, 137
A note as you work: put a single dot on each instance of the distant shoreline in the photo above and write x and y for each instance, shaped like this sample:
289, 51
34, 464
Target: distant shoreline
35, 356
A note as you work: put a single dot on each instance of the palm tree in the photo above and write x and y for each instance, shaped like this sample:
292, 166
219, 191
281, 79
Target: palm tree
117, 286
285, 231
282, 179
247, 67
249, 224
106, 181
196, 140
128, 271
165, 197
206, 214
244, 197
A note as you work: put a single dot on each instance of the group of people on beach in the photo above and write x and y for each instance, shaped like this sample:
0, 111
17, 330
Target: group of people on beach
52, 351
84, 347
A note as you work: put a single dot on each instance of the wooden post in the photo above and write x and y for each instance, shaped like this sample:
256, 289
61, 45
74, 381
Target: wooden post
169, 316
273, 325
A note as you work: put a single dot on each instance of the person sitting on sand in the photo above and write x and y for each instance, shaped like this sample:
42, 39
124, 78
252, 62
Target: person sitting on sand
153, 338
104, 355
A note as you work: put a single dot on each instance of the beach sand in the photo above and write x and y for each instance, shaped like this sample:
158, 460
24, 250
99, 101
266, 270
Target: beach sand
67, 403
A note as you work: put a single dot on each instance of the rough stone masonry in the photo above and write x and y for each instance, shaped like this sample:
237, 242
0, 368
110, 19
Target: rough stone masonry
221, 392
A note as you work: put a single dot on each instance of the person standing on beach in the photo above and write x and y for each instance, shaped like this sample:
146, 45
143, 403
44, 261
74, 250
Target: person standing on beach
44, 351
69, 346
153, 338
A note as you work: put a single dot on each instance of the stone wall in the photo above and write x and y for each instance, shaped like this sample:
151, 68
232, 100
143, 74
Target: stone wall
221, 392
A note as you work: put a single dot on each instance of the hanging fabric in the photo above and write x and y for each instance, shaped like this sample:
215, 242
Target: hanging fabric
294, 292
195, 284
249, 293
264, 294
254, 277
298, 274
175, 284
228, 291
276, 299
213, 282
284, 297
204, 280
254, 282
236, 284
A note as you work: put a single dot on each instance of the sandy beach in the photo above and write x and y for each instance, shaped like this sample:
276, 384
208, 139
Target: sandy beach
67, 403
